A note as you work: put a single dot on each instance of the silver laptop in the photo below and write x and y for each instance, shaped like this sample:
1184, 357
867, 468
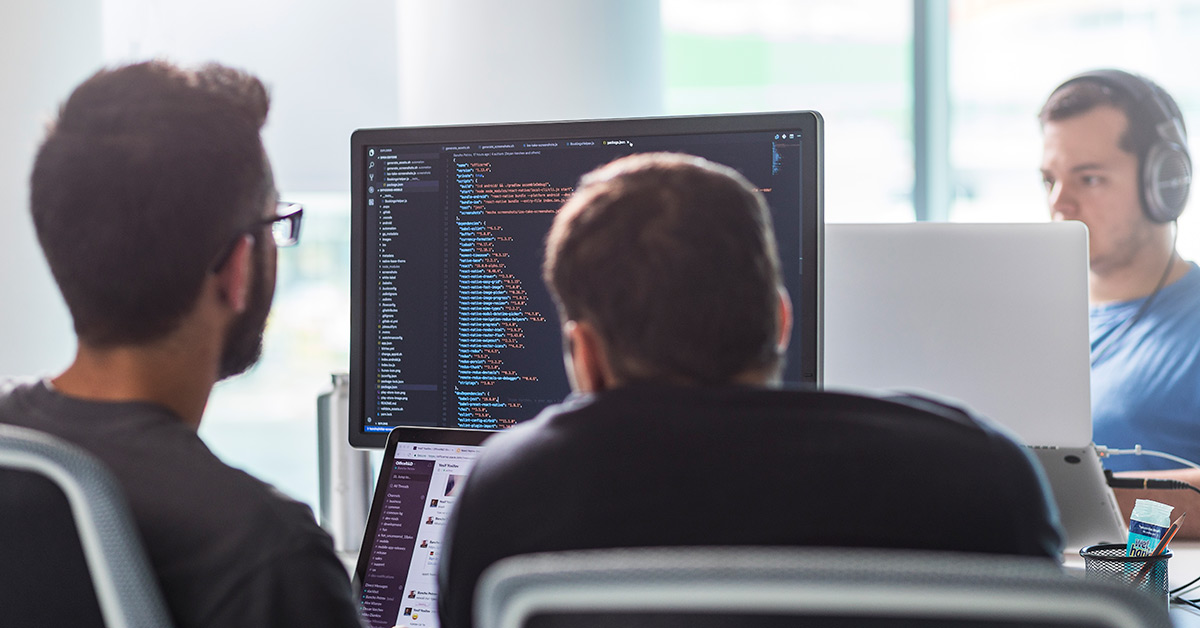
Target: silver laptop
993, 315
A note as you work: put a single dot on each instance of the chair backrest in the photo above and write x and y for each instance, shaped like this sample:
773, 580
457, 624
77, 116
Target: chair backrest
70, 554
722, 587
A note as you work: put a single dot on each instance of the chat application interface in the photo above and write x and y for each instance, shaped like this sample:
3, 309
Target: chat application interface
400, 584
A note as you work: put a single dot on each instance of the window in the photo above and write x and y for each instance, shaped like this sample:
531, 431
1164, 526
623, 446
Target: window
1005, 59
850, 60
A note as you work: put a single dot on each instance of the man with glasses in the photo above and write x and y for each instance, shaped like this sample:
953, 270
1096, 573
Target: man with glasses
155, 206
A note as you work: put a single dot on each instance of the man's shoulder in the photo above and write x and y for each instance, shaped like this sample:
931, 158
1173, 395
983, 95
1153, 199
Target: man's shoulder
1187, 287
209, 529
182, 495
237, 548
794, 405
652, 416
1171, 317
15, 392
8, 384
584, 452
195, 499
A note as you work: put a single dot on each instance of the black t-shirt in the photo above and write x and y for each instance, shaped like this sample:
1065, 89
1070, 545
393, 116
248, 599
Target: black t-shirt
228, 549
659, 466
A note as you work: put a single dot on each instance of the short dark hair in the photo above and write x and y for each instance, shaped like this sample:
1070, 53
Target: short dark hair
1079, 96
148, 173
673, 260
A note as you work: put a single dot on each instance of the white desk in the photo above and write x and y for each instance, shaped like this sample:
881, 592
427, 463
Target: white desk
1185, 566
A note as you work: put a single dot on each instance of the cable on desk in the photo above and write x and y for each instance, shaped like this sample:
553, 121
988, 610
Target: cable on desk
1146, 483
1183, 587
1138, 451
1179, 600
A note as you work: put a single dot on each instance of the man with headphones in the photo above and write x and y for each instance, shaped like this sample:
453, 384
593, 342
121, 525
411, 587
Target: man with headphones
1115, 157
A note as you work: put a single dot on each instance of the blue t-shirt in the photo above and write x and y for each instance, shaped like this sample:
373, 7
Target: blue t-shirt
1146, 377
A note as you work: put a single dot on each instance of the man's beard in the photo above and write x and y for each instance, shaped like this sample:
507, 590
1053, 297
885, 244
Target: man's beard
244, 342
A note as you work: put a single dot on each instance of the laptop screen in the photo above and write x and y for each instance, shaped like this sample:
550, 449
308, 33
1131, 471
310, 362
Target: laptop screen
422, 470
993, 315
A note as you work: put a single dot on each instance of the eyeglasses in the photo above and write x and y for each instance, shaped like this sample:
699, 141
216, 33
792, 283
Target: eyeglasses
285, 229
285, 224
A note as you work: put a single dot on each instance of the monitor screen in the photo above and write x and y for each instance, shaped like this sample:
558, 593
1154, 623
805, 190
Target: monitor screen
451, 324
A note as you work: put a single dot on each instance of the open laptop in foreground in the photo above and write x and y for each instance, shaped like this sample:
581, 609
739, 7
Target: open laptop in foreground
422, 470
991, 315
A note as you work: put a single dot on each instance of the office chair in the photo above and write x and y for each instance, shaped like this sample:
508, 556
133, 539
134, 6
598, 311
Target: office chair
69, 552
774, 587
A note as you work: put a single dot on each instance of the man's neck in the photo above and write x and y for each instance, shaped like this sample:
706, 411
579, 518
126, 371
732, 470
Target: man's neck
160, 373
1135, 281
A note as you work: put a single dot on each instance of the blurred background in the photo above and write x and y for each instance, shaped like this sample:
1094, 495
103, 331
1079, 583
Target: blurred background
929, 105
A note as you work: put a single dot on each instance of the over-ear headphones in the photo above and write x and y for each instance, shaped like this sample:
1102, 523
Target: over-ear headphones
1166, 166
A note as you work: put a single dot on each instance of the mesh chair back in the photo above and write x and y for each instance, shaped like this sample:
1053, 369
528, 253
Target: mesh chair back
769, 587
71, 553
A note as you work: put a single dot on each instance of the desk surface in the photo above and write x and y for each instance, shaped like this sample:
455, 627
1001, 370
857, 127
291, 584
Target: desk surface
1183, 568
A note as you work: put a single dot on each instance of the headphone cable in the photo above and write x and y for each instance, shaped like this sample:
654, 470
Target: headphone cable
1132, 320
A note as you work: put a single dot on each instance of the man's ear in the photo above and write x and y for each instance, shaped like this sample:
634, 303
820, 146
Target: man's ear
785, 319
233, 277
587, 359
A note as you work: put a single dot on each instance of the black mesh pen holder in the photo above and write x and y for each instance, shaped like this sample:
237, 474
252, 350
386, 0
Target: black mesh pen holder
1109, 562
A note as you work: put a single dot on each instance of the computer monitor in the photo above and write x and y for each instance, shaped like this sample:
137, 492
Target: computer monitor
451, 324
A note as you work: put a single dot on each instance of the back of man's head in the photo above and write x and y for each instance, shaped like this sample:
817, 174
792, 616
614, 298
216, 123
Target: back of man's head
672, 260
149, 172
